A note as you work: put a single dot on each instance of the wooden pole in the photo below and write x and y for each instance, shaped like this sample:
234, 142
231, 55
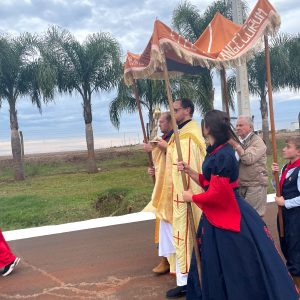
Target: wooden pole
274, 146
183, 175
224, 89
138, 104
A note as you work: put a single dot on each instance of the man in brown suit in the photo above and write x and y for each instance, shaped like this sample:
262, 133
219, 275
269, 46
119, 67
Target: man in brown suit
253, 174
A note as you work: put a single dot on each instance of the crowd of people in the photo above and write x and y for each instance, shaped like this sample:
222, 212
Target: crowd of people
227, 179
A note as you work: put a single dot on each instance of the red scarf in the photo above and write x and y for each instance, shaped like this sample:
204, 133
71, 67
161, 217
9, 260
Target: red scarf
288, 167
217, 149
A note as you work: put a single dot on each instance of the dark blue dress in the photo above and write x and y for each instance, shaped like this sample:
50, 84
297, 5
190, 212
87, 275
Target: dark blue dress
290, 243
241, 265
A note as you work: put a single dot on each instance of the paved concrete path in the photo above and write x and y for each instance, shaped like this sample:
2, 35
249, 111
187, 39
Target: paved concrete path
112, 262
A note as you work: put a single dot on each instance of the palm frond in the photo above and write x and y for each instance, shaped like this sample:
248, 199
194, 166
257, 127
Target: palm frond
231, 90
124, 102
89, 67
187, 21
224, 7
21, 72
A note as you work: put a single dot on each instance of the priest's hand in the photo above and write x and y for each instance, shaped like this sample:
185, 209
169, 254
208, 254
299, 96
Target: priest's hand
148, 147
280, 201
151, 171
187, 196
162, 145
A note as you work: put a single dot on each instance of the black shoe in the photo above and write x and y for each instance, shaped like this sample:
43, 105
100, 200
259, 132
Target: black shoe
178, 292
9, 268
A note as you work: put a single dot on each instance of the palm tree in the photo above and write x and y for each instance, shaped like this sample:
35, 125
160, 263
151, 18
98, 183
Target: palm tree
86, 68
22, 73
152, 93
198, 88
189, 22
294, 57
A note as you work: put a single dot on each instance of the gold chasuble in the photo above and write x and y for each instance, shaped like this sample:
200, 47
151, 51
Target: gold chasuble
159, 162
162, 193
162, 213
193, 152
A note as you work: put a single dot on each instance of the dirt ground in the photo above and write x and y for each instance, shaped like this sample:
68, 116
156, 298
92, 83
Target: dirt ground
101, 154
73, 156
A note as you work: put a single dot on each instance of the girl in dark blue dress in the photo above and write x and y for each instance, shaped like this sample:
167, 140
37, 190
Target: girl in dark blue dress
239, 260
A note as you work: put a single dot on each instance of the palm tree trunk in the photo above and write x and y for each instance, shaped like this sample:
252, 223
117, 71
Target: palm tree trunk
265, 122
91, 162
16, 143
151, 124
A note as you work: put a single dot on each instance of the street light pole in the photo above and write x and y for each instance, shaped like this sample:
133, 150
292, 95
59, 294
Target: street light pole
242, 88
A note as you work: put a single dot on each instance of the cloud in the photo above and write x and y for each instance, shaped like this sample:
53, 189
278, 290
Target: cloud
131, 23
37, 14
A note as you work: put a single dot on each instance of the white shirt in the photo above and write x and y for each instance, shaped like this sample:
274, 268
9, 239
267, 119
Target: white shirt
242, 141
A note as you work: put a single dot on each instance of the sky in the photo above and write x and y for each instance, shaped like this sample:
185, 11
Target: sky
61, 126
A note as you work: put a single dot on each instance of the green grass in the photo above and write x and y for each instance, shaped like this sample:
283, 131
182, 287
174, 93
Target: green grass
61, 191
56, 193
40, 168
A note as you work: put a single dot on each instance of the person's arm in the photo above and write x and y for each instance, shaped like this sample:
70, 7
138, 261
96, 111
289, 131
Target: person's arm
237, 147
183, 166
148, 147
162, 145
251, 154
293, 202
218, 204
219, 178
151, 171
275, 168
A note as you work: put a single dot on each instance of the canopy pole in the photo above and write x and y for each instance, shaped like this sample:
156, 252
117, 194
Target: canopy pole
183, 175
224, 89
274, 146
138, 104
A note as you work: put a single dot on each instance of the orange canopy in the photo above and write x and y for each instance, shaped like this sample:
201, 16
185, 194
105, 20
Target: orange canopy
223, 43
217, 34
164, 45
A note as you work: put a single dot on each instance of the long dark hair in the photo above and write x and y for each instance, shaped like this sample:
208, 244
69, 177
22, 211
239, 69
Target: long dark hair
218, 124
